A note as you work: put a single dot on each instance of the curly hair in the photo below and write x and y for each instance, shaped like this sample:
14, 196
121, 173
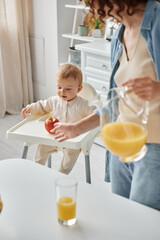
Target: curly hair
121, 4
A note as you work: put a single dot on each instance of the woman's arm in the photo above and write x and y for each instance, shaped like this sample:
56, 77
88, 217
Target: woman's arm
65, 131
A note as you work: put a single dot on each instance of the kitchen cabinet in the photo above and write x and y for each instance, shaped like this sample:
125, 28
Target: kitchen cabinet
95, 65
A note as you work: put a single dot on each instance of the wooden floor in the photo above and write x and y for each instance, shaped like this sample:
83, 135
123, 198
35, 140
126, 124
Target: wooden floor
13, 149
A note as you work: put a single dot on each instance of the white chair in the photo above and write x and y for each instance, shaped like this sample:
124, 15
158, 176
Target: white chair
31, 130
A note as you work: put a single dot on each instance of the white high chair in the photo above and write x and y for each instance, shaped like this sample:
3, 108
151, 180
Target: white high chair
31, 130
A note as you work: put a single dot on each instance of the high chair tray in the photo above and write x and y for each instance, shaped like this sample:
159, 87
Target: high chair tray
32, 130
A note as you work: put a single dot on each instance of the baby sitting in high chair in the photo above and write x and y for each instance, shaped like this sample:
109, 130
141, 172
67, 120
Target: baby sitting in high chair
67, 107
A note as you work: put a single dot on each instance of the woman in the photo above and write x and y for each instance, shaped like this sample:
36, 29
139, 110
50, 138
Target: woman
135, 60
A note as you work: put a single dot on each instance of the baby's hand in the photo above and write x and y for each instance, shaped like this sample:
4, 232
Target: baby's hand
25, 111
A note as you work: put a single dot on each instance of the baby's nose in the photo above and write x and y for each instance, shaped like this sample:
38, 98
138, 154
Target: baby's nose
63, 89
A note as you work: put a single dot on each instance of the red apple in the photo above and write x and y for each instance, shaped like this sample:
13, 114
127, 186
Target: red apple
49, 124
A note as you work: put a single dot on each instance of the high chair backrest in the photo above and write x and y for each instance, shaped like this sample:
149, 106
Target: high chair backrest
87, 92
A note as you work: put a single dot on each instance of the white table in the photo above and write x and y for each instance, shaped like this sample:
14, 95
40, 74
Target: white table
29, 213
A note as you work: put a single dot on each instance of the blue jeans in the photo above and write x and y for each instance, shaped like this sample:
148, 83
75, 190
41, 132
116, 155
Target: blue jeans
138, 181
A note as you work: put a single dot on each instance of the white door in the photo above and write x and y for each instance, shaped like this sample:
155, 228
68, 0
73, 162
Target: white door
44, 46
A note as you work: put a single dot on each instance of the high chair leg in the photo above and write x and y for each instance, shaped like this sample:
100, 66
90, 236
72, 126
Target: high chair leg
87, 166
25, 151
49, 161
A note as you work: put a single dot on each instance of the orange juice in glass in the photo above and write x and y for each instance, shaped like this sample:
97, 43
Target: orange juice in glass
66, 193
1, 204
66, 207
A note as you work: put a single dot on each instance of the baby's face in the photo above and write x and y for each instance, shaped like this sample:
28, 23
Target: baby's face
67, 88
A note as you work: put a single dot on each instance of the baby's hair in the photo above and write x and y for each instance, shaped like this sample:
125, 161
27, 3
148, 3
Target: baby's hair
70, 70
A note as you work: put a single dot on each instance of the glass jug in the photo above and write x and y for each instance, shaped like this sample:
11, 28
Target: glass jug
123, 121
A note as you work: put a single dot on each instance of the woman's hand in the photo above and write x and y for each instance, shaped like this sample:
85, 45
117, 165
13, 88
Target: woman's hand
25, 111
145, 88
64, 131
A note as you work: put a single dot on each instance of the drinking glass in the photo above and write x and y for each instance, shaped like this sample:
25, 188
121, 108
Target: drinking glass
123, 121
66, 194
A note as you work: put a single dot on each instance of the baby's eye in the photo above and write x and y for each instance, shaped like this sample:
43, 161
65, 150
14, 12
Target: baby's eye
59, 87
68, 89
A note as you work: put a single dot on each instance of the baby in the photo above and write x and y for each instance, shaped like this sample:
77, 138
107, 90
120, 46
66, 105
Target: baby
67, 106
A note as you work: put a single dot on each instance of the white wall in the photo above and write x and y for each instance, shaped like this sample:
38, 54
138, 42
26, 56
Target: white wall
46, 43
48, 20
65, 22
